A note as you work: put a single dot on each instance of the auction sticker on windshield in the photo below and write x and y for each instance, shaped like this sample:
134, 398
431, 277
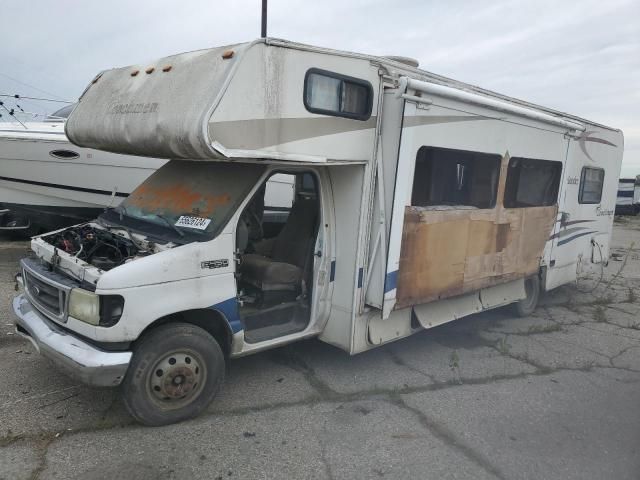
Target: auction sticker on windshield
193, 222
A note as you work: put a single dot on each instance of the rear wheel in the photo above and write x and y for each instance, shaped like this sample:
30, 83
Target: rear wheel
175, 372
527, 305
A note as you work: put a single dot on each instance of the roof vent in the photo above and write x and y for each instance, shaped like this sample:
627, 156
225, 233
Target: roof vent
412, 62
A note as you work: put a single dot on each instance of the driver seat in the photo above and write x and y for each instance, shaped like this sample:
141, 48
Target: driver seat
282, 268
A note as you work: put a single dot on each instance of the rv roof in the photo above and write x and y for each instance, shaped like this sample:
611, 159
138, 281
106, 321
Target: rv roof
198, 106
424, 75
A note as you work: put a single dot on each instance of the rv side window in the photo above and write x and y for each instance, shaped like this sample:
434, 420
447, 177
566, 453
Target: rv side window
591, 182
445, 177
532, 183
338, 95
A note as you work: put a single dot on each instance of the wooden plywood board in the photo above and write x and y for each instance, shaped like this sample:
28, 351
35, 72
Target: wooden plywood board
441, 249
445, 253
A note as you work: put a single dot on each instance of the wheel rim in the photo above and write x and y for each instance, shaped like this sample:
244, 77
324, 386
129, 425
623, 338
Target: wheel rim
177, 379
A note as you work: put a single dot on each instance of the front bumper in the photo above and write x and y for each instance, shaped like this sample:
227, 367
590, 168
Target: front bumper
72, 355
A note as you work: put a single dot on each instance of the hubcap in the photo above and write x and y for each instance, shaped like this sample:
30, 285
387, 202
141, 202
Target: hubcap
177, 378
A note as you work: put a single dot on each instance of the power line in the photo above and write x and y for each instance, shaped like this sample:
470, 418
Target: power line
33, 98
30, 86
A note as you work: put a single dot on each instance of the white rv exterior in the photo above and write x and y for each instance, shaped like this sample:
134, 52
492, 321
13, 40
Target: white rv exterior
417, 200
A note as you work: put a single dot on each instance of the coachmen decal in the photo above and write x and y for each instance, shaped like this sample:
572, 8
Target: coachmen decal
601, 212
126, 108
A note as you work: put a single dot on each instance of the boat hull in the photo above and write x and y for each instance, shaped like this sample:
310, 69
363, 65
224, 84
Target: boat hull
52, 183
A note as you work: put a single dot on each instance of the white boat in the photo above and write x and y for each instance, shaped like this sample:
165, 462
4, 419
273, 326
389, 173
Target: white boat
46, 182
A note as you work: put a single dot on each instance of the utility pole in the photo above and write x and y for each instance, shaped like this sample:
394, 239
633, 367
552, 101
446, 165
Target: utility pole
264, 19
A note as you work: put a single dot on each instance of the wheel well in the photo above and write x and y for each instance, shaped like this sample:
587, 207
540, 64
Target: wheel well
209, 320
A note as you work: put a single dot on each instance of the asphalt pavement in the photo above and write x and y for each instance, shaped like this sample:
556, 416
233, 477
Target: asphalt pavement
552, 396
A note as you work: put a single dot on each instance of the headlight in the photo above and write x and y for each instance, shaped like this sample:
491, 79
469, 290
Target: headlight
84, 305
98, 310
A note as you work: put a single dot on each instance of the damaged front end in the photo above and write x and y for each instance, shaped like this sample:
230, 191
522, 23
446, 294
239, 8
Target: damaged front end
97, 246
86, 251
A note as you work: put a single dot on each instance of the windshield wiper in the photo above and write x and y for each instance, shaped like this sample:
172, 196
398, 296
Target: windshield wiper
122, 210
168, 222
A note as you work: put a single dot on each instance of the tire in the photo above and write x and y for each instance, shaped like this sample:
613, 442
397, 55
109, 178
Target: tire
175, 372
527, 305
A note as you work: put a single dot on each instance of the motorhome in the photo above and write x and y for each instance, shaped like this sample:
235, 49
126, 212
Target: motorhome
417, 200
628, 200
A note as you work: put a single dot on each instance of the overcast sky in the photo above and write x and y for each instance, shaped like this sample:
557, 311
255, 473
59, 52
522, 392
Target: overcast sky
580, 57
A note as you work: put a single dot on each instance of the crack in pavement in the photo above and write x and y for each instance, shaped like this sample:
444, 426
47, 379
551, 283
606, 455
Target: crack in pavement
447, 437
335, 397
324, 394
395, 358
39, 395
43, 450
323, 453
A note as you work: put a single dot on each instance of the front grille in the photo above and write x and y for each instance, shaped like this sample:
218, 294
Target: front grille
44, 295
47, 291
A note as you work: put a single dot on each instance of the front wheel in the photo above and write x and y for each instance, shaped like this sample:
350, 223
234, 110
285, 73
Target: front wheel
527, 305
175, 372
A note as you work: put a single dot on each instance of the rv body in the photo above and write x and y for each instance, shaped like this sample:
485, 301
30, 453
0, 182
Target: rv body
416, 200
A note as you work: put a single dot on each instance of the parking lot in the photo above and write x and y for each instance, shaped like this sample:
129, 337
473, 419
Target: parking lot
555, 395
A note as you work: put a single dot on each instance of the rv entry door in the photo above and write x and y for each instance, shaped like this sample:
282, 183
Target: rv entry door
375, 282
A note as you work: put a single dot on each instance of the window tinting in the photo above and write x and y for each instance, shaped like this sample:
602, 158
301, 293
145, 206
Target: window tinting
591, 182
333, 94
532, 183
455, 178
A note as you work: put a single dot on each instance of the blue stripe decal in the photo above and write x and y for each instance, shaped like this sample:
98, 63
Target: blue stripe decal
229, 309
390, 281
566, 232
360, 273
567, 240
332, 274
625, 193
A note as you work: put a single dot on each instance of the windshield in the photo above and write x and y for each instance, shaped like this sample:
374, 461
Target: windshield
60, 114
187, 200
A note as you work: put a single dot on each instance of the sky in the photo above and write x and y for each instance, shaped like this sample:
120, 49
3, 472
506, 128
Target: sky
580, 57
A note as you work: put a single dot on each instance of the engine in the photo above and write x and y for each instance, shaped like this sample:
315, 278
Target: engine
98, 247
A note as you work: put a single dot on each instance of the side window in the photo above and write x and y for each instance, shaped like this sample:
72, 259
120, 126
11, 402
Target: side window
279, 192
338, 95
532, 183
591, 182
455, 178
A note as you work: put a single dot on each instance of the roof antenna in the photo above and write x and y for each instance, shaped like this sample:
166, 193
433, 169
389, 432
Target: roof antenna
264, 19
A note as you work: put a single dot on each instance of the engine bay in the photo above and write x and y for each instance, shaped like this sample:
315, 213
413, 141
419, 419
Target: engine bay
99, 247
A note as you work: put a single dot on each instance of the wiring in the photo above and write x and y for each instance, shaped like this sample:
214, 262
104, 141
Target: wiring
17, 96
12, 113
601, 263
